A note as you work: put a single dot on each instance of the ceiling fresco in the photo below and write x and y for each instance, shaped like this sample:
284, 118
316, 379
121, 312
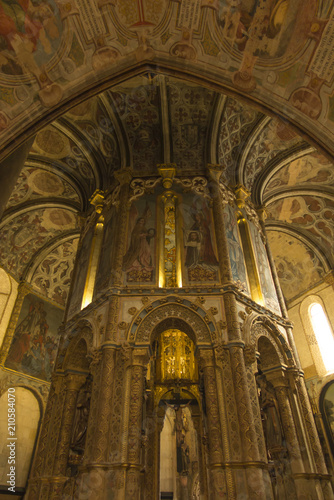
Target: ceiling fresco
100, 85
276, 55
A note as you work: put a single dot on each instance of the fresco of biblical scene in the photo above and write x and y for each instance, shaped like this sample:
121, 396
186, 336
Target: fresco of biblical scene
327, 411
235, 250
266, 279
30, 33
200, 261
35, 342
139, 261
266, 29
80, 272
104, 270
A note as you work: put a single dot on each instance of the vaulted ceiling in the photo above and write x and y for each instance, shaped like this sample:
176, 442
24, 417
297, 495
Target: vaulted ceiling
153, 119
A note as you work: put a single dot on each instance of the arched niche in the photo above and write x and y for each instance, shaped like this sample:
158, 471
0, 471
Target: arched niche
262, 328
268, 354
326, 404
173, 313
27, 420
73, 354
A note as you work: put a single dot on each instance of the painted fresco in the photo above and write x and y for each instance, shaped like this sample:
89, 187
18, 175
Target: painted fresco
190, 111
34, 346
34, 183
139, 261
236, 121
200, 261
327, 411
266, 279
312, 168
30, 32
104, 270
27, 233
298, 267
312, 215
274, 138
274, 29
138, 109
53, 275
235, 250
80, 272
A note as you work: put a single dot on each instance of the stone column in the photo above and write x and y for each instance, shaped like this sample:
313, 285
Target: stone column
215, 453
140, 359
73, 383
196, 417
124, 177
35, 483
313, 437
282, 391
262, 216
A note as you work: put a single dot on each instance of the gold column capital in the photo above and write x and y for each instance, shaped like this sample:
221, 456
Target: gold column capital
97, 200
215, 171
242, 194
167, 172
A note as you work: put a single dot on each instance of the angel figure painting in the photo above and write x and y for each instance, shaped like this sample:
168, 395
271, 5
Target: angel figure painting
200, 258
139, 260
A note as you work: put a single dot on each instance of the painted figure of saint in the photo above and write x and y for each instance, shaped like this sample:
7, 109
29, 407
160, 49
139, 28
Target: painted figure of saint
139, 255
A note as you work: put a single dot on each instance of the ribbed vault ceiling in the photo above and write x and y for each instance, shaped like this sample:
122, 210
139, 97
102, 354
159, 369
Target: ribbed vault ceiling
154, 119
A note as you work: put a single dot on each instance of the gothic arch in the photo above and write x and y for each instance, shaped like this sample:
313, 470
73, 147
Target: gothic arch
74, 354
173, 312
261, 327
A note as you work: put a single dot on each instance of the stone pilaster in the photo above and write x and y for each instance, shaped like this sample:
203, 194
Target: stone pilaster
140, 359
215, 453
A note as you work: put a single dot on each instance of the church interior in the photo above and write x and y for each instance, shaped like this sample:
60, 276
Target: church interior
166, 249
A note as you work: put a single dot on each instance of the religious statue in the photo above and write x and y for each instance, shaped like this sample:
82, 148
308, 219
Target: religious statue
81, 419
270, 415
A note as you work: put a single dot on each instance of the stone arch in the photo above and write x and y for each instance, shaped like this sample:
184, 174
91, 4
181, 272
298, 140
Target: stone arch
77, 348
264, 334
171, 313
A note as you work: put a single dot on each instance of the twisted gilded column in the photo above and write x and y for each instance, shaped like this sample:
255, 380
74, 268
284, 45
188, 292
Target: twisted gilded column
217, 474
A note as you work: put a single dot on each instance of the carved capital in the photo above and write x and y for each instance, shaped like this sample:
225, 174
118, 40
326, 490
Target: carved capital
97, 200
250, 355
206, 359
167, 172
140, 357
74, 381
242, 194
124, 175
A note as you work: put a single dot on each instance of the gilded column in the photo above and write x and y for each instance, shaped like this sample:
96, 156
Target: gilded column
140, 359
124, 177
218, 479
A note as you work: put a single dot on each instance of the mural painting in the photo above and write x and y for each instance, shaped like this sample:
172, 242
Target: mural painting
266, 279
199, 250
139, 261
34, 346
235, 250
298, 267
327, 411
30, 33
